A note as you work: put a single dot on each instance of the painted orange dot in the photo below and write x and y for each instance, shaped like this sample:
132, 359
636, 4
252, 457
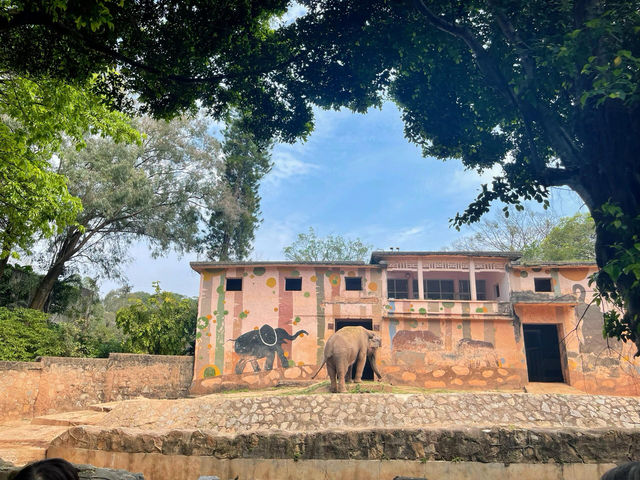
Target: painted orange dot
286, 354
313, 278
213, 321
209, 316
275, 309
271, 282
209, 346
373, 286
301, 335
255, 328
252, 276
224, 301
300, 364
208, 334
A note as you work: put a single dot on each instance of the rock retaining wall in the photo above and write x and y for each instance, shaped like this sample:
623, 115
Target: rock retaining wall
53, 384
365, 454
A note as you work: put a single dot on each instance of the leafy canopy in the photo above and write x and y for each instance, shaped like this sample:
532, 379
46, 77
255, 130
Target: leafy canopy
37, 115
308, 247
170, 54
26, 334
163, 324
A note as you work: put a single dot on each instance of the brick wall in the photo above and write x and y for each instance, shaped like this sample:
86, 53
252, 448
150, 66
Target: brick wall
54, 384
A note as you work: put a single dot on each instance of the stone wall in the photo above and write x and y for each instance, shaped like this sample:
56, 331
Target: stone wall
54, 384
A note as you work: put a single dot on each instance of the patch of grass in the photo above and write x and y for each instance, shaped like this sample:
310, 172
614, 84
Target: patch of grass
234, 390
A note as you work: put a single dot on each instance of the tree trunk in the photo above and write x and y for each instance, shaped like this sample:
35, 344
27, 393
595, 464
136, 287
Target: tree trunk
66, 251
3, 265
611, 175
45, 287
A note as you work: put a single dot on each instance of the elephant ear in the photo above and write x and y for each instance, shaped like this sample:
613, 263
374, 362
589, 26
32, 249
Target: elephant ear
268, 335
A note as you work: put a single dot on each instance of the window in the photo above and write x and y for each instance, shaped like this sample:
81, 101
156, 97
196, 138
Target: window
397, 288
497, 291
353, 283
234, 284
439, 290
465, 292
542, 284
293, 284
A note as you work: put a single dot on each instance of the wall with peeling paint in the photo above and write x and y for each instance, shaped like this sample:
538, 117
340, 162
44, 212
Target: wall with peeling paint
431, 343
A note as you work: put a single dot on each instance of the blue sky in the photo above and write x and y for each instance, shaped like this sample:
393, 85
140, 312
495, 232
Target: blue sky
356, 176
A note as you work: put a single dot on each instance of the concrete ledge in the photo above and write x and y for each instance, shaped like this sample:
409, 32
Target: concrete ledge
156, 466
488, 445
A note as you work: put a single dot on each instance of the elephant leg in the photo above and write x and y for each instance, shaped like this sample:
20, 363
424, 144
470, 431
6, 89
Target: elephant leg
360, 362
283, 360
268, 364
255, 365
331, 371
240, 365
348, 378
341, 371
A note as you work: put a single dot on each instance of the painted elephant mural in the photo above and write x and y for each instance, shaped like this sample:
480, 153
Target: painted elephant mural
264, 342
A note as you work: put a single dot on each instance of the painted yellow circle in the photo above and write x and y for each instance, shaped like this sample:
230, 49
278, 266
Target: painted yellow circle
373, 286
313, 278
271, 282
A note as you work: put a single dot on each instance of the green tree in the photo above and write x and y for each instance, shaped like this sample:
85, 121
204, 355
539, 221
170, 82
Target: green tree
235, 213
572, 239
155, 190
26, 334
164, 324
547, 90
308, 247
169, 54
36, 117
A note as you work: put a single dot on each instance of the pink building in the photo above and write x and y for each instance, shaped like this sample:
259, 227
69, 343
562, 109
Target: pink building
447, 320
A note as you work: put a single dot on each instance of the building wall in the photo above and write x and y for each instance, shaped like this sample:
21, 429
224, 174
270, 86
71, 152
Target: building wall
448, 344
590, 362
231, 318
53, 384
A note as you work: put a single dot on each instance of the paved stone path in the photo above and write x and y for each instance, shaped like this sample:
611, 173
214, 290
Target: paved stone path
295, 413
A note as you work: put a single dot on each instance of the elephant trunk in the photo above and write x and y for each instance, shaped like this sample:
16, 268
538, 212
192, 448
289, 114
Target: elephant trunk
286, 336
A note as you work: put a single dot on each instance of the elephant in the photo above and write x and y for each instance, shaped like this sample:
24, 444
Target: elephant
263, 342
345, 347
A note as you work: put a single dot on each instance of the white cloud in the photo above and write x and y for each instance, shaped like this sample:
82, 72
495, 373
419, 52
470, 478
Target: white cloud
469, 180
286, 166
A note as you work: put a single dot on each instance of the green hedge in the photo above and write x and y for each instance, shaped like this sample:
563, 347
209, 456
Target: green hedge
26, 334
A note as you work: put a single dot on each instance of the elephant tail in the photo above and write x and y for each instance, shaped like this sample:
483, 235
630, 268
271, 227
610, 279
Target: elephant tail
319, 368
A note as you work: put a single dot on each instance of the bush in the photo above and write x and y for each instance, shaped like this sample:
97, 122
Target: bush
26, 334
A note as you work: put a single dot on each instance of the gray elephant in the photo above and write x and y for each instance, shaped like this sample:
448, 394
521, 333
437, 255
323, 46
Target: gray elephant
346, 347
264, 342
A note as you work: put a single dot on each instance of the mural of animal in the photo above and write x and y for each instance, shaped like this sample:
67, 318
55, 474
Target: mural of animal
345, 347
264, 342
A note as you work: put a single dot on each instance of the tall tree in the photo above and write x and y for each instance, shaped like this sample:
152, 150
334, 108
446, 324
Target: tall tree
547, 90
173, 55
235, 214
36, 115
155, 191
513, 233
308, 247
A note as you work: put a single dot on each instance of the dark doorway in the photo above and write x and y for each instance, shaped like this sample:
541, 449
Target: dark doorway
367, 374
543, 353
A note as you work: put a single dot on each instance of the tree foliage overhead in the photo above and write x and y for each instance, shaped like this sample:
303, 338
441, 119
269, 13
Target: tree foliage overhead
235, 212
308, 247
171, 54
36, 115
155, 190
547, 90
